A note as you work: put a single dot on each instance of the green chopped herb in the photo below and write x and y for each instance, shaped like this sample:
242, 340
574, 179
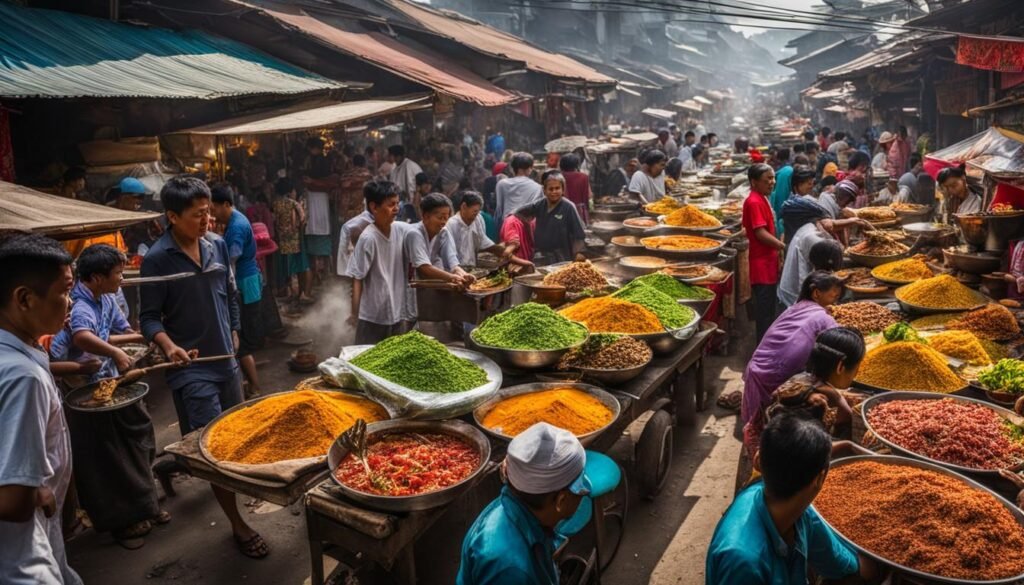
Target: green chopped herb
421, 363
530, 326
902, 332
669, 311
1006, 376
674, 288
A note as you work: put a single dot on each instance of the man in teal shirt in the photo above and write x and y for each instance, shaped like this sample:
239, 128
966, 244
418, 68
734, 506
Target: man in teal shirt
513, 540
770, 535
783, 187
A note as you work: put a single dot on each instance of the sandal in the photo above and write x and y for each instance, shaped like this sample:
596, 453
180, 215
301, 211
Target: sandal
162, 518
254, 548
730, 401
131, 537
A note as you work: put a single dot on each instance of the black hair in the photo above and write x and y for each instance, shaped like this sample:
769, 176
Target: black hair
396, 150
811, 146
782, 154
180, 193
73, 174
674, 168
433, 201
31, 260
98, 259
839, 345
222, 193
689, 134
859, 159
711, 135
840, 135
826, 131
359, 160
795, 449
756, 171
829, 180
703, 139
809, 136
527, 211
470, 199
826, 255
697, 151
951, 172
915, 159
802, 173
801, 159
818, 280
521, 161
654, 156
569, 162
799, 148
422, 179
552, 174
314, 142
284, 186
377, 192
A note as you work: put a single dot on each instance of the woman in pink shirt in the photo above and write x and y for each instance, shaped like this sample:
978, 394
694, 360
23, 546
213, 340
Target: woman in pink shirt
518, 227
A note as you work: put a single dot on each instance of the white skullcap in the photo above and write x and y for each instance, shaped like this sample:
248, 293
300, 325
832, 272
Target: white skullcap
543, 459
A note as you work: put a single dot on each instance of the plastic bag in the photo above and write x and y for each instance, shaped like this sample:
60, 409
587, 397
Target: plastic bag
402, 402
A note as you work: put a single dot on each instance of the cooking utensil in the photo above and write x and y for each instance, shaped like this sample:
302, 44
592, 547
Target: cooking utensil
354, 439
151, 279
81, 399
135, 375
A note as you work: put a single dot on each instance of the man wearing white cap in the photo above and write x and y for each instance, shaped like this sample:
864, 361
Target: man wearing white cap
514, 539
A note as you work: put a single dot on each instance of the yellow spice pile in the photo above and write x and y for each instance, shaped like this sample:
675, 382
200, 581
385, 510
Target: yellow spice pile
939, 292
962, 345
907, 365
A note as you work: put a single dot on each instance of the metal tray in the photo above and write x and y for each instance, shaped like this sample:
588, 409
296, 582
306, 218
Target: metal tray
875, 261
702, 254
1018, 515
912, 308
607, 399
874, 401
80, 398
426, 501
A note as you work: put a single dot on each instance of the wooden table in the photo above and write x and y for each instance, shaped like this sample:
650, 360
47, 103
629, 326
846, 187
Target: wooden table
187, 453
356, 535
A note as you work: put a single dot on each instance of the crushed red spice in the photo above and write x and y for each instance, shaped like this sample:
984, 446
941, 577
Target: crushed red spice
923, 520
969, 435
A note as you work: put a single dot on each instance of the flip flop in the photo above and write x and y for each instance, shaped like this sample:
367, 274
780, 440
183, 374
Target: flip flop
162, 518
254, 548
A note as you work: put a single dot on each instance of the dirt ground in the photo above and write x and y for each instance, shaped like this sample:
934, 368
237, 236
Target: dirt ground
664, 542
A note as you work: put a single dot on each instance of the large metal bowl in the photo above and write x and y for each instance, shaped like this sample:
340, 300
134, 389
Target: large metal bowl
974, 229
702, 254
455, 428
546, 294
668, 341
917, 309
638, 230
971, 262
607, 399
875, 261
879, 399
614, 377
522, 359
1018, 515
606, 230
603, 214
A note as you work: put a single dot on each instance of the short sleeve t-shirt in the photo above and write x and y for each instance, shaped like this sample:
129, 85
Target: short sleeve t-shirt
764, 260
469, 239
652, 188
379, 261
557, 229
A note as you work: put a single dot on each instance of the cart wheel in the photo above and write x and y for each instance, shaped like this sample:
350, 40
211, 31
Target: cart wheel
654, 454
614, 511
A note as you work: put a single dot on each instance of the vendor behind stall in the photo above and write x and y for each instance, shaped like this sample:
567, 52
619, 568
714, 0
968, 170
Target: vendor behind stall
514, 539
430, 250
960, 198
559, 235
649, 182
468, 231
112, 451
770, 534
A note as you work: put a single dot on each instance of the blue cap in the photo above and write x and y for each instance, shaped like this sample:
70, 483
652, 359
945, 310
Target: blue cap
132, 186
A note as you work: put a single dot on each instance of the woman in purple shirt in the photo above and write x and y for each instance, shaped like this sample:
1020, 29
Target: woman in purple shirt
788, 342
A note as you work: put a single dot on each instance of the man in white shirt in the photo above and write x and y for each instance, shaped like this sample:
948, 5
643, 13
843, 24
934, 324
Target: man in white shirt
430, 250
519, 190
666, 144
404, 172
378, 268
350, 232
35, 449
468, 232
649, 181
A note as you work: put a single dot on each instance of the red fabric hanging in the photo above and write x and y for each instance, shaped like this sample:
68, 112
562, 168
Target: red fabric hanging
6, 149
995, 55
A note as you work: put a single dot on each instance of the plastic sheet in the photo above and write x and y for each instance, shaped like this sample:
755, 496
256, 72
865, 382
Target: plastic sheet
402, 402
995, 151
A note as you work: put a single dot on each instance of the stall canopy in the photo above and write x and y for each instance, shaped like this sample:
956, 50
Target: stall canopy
404, 59
52, 54
25, 209
310, 118
667, 115
492, 41
996, 151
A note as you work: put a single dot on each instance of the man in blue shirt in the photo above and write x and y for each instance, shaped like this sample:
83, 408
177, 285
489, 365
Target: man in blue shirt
242, 250
196, 313
513, 540
770, 535
495, 145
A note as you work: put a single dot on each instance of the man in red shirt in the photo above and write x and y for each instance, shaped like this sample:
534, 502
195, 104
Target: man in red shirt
759, 223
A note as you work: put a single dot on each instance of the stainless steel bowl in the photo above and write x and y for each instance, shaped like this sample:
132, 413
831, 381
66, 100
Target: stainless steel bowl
455, 428
614, 377
875, 261
974, 229
666, 342
704, 254
522, 359
879, 399
607, 399
606, 230
551, 295
917, 309
600, 214
1018, 515
972, 262
699, 306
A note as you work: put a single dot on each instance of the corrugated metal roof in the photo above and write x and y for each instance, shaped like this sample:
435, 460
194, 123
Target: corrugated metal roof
667, 115
25, 209
492, 41
47, 53
420, 65
902, 49
309, 118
